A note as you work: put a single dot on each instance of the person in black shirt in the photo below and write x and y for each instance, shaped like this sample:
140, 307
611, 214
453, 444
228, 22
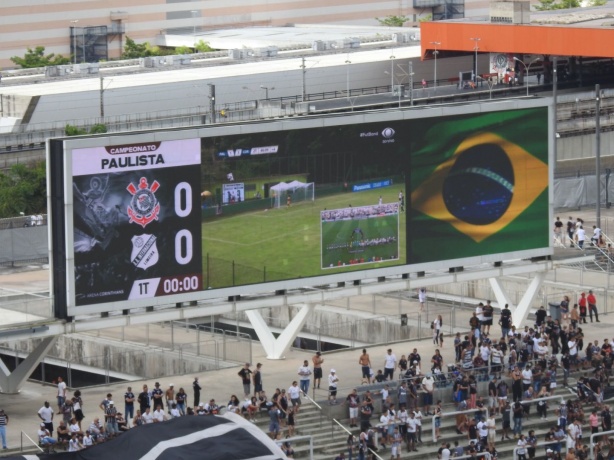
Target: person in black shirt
606, 419
540, 316
143, 399
129, 404
157, 396
196, 388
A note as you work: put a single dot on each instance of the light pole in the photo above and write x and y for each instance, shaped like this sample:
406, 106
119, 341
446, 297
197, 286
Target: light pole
392, 73
526, 69
475, 48
435, 73
194, 13
266, 90
74, 38
347, 76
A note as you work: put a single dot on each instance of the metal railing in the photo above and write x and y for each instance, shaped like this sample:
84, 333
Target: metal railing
34, 443
541, 444
592, 444
279, 442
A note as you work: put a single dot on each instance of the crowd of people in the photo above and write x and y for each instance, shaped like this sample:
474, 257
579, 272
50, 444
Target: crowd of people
522, 368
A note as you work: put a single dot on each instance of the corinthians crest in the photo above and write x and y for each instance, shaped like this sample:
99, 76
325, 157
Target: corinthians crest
144, 206
144, 251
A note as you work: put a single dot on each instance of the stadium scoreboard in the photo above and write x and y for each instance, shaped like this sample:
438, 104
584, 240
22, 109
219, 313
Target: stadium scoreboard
169, 216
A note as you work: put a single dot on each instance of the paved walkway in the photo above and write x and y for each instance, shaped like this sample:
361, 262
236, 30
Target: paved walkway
22, 408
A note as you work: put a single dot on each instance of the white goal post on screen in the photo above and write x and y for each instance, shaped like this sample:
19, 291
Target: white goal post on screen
296, 190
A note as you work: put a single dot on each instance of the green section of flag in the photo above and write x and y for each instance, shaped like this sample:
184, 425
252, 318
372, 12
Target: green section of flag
432, 239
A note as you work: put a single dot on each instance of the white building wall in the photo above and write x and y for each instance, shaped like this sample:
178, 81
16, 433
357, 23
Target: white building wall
31, 23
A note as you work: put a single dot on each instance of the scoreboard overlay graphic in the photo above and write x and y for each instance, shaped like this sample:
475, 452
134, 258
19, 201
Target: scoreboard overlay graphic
136, 218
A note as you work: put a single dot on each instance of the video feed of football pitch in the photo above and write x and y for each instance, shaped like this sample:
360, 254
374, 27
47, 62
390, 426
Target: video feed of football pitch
301, 203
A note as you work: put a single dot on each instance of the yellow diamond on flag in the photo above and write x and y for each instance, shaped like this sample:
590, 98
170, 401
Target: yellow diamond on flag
483, 186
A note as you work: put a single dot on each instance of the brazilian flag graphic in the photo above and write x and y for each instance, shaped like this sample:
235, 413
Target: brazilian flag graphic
479, 185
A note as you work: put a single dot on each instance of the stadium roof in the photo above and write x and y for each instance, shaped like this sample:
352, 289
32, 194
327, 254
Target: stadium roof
587, 32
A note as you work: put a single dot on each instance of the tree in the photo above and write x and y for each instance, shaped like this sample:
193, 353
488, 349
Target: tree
393, 21
36, 58
202, 47
23, 188
133, 50
547, 5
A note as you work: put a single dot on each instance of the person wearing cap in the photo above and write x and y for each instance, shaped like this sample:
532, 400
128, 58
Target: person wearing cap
592, 306
245, 374
111, 420
332, 387
317, 361
169, 395
45, 439
157, 396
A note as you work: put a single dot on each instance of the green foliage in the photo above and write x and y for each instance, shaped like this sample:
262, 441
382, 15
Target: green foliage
393, 21
23, 189
202, 47
98, 128
426, 18
133, 50
36, 58
184, 50
547, 5
71, 130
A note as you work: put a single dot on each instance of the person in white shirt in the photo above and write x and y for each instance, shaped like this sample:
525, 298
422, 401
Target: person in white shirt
527, 377
390, 364
395, 448
88, 441
384, 422
412, 427
479, 312
332, 387
418, 418
491, 426
521, 449
482, 431
445, 452
428, 384
596, 236
158, 414
148, 416
573, 430
580, 237
74, 445
294, 392
422, 298
305, 372
174, 411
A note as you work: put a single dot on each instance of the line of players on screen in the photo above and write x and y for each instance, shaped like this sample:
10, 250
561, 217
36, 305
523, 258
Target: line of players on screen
363, 243
360, 212
362, 260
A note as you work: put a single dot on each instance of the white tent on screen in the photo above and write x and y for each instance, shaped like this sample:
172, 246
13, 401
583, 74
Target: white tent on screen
189, 438
297, 191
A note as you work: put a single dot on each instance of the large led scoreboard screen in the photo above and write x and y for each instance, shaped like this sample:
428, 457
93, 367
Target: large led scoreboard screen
171, 216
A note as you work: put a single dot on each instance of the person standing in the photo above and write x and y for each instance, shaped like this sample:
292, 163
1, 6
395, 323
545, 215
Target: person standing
353, 401
422, 298
592, 306
390, 364
4, 421
196, 389
129, 405
305, 374
332, 387
583, 304
317, 361
558, 231
245, 374
580, 237
143, 399
157, 396
570, 230
45, 413
169, 396
365, 363
257, 378
62, 392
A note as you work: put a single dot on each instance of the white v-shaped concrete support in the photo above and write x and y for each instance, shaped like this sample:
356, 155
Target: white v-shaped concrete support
276, 348
11, 382
520, 311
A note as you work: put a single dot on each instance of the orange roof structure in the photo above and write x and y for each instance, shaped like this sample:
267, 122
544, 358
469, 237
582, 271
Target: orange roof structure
587, 34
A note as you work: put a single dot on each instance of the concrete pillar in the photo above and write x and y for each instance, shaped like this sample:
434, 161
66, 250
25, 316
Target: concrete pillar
10, 383
520, 311
276, 348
